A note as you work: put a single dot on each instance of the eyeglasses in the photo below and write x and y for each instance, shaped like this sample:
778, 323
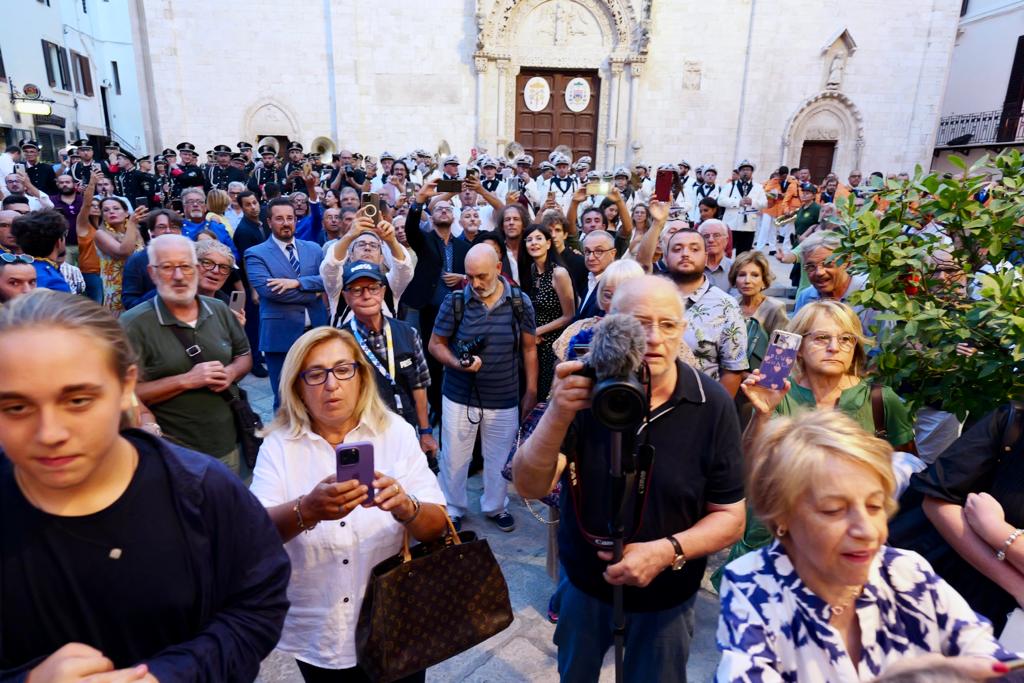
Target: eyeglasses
666, 327
342, 371
373, 289
822, 340
811, 267
598, 253
366, 244
193, 202
209, 265
166, 270
714, 236
8, 257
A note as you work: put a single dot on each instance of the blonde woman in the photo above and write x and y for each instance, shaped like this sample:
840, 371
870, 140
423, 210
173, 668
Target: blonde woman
828, 600
333, 532
217, 203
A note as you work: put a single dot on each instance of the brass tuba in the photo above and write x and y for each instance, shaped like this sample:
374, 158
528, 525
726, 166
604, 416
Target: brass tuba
786, 218
513, 150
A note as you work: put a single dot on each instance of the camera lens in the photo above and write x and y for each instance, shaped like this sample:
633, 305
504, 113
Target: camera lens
619, 404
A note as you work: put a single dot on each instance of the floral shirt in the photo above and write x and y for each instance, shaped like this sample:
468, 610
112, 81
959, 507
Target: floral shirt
773, 628
715, 330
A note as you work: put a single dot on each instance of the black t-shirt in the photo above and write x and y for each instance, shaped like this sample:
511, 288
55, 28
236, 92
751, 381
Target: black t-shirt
697, 461
120, 580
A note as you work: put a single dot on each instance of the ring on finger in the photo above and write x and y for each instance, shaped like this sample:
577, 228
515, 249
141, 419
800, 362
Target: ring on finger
396, 489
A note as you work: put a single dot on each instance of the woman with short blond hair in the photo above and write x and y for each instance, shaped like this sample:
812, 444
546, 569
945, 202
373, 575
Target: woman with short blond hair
334, 532
828, 600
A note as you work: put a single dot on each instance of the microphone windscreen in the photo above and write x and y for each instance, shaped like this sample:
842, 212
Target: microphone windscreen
618, 346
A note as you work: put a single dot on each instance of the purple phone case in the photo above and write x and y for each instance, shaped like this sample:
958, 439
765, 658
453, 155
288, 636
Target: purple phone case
775, 367
362, 470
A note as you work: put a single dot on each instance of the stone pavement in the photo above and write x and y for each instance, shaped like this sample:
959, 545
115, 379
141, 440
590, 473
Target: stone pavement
523, 651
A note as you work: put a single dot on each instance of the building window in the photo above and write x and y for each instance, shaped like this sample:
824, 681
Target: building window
44, 2
83, 76
963, 7
56, 60
117, 77
3, 71
50, 143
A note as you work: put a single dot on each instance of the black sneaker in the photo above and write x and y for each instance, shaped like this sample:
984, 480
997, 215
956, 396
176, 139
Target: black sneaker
258, 370
504, 521
457, 523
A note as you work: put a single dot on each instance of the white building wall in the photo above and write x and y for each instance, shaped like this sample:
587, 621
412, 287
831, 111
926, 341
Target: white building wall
102, 33
983, 56
405, 78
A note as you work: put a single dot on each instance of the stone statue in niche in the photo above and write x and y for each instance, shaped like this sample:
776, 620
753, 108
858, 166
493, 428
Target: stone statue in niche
835, 72
691, 75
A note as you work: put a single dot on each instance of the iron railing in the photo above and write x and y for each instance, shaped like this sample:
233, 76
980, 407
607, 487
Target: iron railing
999, 126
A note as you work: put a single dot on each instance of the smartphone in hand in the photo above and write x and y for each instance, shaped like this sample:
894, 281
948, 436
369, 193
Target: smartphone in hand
663, 185
355, 461
454, 186
237, 302
779, 359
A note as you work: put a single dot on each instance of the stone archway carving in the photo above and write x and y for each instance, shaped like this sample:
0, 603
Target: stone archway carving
560, 34
829, 115
269, 117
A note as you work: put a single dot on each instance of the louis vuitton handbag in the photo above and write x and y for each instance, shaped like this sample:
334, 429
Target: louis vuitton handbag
428, 604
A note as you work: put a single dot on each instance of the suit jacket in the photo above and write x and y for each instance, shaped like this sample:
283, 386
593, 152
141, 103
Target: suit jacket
283, 316
589, 307
429, 250
136, 284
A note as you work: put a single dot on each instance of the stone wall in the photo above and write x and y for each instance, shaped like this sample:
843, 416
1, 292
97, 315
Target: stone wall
405, 77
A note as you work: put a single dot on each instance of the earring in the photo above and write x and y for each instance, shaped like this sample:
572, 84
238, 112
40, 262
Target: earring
780, 532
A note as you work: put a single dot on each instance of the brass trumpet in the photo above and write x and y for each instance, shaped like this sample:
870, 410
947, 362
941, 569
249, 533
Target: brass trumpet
786, 218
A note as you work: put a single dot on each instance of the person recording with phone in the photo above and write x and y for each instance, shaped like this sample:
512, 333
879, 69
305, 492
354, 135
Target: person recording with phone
335, 532
687, 505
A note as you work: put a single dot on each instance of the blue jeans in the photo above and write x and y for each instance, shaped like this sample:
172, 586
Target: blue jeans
93, 286
657, 644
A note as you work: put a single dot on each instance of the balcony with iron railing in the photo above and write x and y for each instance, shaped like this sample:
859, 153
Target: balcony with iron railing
996, 128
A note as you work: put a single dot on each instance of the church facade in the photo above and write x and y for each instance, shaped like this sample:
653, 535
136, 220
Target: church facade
827, 84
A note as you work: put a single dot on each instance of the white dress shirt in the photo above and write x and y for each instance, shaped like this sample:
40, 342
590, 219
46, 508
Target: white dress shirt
331, 564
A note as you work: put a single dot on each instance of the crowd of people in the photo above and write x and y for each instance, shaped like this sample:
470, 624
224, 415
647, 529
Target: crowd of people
437, 309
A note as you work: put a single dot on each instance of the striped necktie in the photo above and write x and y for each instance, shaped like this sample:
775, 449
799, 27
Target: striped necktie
292, 259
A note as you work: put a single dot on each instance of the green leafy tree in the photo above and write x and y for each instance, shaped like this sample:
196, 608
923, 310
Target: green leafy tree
944, 267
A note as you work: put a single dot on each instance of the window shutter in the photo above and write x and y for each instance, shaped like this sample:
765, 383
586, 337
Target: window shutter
86, 76
65, 72
49, 64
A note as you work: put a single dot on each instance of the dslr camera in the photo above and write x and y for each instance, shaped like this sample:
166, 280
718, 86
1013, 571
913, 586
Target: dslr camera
465, 349
619, 402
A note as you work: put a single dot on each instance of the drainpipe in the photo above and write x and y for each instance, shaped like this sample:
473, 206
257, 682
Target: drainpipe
743, 84
332, 95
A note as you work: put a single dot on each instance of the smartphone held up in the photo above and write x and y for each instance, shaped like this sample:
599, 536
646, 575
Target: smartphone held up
355, 461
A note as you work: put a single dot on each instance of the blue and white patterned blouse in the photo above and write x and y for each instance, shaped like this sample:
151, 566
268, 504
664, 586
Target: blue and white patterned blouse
773, 628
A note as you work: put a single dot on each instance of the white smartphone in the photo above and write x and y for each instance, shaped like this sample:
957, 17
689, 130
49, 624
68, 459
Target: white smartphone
237, 302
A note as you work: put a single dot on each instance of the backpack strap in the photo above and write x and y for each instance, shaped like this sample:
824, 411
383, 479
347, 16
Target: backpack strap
458, 310
878, 411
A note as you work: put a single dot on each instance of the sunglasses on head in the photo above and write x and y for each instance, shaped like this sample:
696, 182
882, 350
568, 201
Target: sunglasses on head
8, 257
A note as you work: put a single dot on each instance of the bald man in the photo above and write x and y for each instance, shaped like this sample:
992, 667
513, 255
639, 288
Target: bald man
692, 507
481, 351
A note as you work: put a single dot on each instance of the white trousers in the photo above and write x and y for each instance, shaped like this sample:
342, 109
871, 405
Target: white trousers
765, 232
934, 432
498, 427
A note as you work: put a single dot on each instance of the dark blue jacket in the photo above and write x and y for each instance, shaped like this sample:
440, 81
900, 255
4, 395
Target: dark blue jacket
283, 314
243, 580
136, 284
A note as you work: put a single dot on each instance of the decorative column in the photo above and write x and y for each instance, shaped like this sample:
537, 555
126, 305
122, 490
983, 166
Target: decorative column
633, 144
611, 138
482, 64
499, 124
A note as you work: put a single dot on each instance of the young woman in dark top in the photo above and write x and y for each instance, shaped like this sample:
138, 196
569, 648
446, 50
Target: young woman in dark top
120, 554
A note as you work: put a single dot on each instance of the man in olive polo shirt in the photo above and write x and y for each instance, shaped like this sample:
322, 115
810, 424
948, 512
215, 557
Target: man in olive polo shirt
184, 395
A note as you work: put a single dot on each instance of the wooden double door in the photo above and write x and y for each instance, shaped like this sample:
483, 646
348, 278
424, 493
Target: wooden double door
539, 132
817, 156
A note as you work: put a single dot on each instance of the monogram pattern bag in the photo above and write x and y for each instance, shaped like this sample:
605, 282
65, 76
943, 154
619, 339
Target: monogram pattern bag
428, 604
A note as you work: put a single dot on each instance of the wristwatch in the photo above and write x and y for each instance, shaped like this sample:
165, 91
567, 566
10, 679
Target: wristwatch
680, 559
426, 430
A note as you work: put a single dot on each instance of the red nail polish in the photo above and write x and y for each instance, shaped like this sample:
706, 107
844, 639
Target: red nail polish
1000, 668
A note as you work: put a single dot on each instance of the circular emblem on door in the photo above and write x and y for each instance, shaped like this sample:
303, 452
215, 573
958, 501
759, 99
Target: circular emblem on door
577, 94
537, 93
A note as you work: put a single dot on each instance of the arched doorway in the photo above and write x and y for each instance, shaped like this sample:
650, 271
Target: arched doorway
269, 119
825, 134
560, 40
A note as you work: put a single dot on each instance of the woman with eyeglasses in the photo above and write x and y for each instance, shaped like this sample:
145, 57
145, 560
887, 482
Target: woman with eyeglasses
107, 235
217, 273
829, 374
335, 532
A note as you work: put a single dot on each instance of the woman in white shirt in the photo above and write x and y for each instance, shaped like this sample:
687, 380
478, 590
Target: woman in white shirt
333, 533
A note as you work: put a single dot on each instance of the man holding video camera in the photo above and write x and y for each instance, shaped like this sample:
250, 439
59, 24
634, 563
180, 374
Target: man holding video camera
683, 501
